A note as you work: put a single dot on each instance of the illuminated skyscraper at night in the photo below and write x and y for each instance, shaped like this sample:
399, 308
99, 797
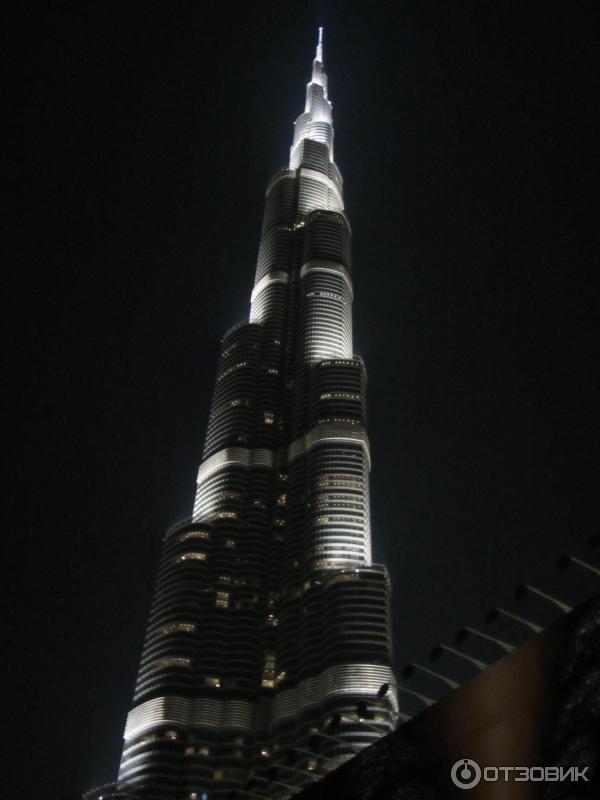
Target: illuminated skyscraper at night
269, 619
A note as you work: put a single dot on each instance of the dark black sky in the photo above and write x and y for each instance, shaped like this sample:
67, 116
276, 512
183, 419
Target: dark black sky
467, 132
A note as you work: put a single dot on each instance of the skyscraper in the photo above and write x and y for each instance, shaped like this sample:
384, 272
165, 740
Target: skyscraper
269, 632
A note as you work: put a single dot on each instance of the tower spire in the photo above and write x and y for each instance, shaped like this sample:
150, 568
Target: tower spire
315, 123
319, 54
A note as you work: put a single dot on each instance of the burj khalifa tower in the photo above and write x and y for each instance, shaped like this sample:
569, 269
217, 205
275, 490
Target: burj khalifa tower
269, 639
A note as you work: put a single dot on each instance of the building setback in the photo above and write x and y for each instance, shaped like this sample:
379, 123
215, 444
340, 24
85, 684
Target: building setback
269, 619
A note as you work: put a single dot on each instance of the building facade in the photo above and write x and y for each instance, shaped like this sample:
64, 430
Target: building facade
269, 633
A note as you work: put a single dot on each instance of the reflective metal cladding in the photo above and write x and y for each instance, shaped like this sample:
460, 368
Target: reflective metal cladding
269, 632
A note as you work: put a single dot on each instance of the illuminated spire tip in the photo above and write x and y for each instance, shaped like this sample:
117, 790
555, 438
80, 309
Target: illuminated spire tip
319, 56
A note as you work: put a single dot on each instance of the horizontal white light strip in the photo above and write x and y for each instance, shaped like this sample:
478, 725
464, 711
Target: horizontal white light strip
306, 172
362, 680
281, 175
271, 277
328, 266
350, 679
242, 324
239, 456
327, 432
203, 712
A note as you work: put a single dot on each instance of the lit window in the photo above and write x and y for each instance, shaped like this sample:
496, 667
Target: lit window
231, 369
189, 751
212, 681
231, 404
193, 556
174, 661
194, 535
218, 775
265, 752
282, 499
345, 576
228, 495
268, 677
269, 417
230, 543
178, 627
203, 751
222, 599
171, 735
339, 396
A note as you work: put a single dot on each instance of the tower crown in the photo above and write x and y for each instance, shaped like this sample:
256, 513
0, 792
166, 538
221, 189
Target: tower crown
315, 123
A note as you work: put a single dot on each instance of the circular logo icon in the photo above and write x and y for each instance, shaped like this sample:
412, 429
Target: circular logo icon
465, 773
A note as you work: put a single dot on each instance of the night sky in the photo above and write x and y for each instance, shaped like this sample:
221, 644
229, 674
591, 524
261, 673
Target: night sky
467, 133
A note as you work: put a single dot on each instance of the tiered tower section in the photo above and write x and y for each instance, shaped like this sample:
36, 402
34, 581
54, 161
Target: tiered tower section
269, 618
